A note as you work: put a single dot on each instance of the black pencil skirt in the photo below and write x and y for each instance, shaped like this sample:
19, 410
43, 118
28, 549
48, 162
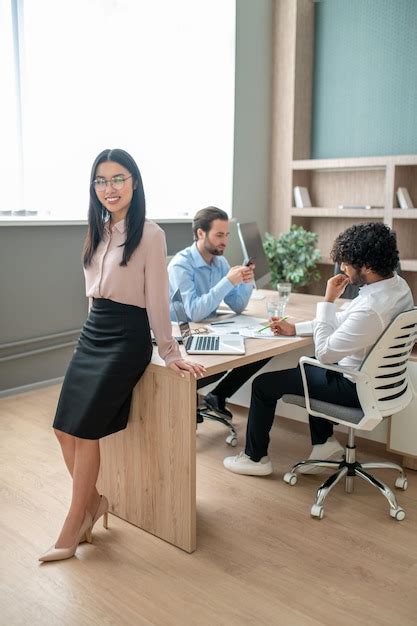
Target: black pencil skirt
112, 353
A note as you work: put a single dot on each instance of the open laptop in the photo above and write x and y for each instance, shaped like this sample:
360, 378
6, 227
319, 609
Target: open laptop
204, 344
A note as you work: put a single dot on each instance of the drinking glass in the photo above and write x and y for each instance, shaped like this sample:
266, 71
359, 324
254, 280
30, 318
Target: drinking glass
275, 307
284, 291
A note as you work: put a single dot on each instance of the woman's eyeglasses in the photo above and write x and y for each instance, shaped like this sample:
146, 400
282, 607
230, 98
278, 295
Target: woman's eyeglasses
117, 182
200, 331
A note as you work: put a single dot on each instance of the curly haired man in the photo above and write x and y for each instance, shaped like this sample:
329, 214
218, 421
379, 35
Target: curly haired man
367, 255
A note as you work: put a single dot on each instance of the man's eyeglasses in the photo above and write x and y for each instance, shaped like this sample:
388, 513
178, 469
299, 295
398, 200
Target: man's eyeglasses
117, 182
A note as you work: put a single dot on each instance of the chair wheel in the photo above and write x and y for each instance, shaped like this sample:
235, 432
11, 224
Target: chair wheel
290, 478
317, 511
401, 483
231, 440
398, 514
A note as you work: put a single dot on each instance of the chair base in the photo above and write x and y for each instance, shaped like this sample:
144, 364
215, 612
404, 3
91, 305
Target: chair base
349, 469
203, 412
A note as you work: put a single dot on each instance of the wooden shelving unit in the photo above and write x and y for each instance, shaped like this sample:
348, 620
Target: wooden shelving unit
369, 181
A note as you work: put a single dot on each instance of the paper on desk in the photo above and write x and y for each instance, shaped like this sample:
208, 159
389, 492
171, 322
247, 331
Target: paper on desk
247, 326
247, 321
244, 325
237, 324
254, 333
219, 317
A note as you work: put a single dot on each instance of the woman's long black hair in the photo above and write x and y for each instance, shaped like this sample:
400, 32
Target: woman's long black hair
98, 214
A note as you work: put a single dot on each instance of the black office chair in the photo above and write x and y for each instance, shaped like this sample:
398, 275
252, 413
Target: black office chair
205, 411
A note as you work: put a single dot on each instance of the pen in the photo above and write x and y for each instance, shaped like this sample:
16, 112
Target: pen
269, 325
220, 323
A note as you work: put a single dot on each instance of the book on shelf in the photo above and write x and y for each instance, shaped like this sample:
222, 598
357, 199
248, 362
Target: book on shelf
359, 206
301, 197
404, 199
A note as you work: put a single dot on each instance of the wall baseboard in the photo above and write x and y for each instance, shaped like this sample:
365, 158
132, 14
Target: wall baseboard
25, 388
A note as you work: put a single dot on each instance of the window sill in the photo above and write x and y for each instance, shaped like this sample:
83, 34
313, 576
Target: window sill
36, 220
26, 220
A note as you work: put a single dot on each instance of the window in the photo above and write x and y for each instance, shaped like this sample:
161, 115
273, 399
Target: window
155, 78
11, 194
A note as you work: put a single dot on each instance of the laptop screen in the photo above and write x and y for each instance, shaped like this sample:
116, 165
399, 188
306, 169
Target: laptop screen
181, 315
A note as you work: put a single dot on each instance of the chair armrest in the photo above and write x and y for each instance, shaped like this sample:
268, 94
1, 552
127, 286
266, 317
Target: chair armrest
356, 374
306, 360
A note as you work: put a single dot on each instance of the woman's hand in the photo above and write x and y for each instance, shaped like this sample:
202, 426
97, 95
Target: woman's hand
188, 366
281, 327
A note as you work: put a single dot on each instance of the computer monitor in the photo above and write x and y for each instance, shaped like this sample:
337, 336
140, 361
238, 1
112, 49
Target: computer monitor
251, 241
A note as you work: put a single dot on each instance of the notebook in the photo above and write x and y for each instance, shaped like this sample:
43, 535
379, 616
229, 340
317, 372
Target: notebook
204, 344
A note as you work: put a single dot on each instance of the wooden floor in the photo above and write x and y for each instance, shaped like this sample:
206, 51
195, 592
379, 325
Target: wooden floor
260, 558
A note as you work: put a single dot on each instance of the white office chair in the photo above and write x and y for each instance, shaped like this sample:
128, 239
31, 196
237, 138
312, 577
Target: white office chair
384, 388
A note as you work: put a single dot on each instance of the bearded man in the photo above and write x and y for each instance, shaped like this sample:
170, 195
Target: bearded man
205, 278
368, 256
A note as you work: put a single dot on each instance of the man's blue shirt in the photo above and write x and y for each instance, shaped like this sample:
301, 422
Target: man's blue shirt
204, 285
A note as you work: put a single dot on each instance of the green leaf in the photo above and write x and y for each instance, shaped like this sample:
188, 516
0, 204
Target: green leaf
293, 256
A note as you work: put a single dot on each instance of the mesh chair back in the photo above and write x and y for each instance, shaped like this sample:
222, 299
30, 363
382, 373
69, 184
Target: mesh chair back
389, 389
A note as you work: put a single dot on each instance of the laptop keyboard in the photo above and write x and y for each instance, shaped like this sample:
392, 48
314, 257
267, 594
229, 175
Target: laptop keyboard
207, 343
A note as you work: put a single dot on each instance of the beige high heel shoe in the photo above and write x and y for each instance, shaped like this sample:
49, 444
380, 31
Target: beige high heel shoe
59, 554
102, 510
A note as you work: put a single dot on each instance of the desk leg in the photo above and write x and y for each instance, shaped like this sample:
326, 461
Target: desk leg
148, 471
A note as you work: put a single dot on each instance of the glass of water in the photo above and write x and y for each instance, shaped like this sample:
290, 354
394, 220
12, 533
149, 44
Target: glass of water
284, 291
275, 307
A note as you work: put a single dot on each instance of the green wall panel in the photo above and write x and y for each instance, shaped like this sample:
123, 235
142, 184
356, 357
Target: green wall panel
365, 78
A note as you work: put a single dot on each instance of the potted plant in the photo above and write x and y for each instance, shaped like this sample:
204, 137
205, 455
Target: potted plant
293, 257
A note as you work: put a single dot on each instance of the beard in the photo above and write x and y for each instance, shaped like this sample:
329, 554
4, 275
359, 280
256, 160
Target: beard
358, 279
208, 247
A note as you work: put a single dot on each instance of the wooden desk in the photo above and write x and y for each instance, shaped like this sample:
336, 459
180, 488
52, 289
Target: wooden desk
148, 471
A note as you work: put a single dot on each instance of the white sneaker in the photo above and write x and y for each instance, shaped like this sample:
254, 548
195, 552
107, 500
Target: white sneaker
329, 451
243, 464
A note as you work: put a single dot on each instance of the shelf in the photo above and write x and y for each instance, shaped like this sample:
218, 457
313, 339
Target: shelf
354, 163
334, 212
404, 214
408, 265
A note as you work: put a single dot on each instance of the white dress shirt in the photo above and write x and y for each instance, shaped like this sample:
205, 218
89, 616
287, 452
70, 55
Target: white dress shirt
346, 337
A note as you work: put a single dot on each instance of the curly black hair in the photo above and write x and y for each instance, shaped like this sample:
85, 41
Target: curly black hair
372, 245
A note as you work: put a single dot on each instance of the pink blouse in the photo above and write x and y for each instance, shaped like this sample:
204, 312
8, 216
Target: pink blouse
143, 282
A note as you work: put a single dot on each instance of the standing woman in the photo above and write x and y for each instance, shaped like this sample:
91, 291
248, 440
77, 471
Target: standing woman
126, 276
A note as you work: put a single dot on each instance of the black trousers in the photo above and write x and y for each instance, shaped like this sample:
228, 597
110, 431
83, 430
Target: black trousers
268, 388
233, 380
